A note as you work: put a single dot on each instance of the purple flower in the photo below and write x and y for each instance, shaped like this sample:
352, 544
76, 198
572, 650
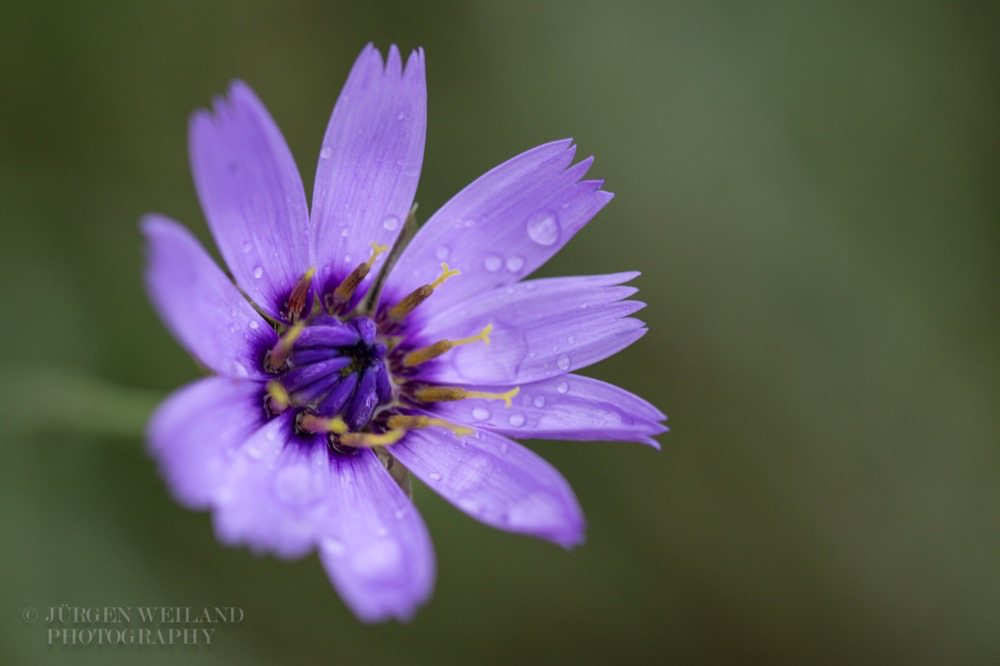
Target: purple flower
344, 358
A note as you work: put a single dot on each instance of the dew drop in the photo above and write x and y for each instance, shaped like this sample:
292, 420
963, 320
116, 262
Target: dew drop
335, 548
504, 447
515, 263
543, 227
400, 514
232, 328
480, 413
442, 253
326, 153
253, 452
563, 387
400, 116
240, 370
258, 272
469, 223
247, 247
391, 223
434, 476
516, 420
233, 313
492, 263
345, 232
539, 401
563, 362
254, 325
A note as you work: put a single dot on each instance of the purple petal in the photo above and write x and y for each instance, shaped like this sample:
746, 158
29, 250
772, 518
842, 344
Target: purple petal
277, 497
501, 227
496, 481
375, 549
369, 163
198, 303
195, 433
564, 407
541, 329
252, 196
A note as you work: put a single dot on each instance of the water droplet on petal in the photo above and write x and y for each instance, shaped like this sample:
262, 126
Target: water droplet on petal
434, 476
442, 253
326, 153
254, 325
516, 420
469, 223
563, 387
571, 339
514, 264
240, 370
294, 485
492, 263
400, 116
539, 401
480, 414
391, 223
345, 232
563, 362
247, 247
258, 272
253, 451
543, 227
335, 548
400, 513
504, 447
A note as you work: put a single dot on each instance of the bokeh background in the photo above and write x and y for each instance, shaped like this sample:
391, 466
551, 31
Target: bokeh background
810, 192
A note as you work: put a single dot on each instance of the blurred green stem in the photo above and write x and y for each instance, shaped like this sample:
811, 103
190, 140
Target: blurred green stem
63, 399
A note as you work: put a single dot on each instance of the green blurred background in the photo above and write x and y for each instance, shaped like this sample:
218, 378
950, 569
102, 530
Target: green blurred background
810, 193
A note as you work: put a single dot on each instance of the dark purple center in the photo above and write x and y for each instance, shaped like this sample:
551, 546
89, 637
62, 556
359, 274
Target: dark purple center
338, 369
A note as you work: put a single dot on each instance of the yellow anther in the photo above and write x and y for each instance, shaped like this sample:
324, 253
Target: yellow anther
319, 425
296, 303
283, 347
342, 294
278, 400
402, 422
450, 393
429, 352
370, 439
445, 274
399, 311
377, 250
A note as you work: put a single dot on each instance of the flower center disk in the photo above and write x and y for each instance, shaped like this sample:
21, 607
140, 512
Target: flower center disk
330, 368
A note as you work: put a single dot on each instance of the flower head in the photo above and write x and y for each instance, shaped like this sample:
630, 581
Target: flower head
345, 359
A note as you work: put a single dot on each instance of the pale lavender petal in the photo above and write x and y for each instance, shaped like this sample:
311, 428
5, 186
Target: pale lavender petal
369, 163
201, 307
541, 329
276, 500
252, 196
500, 228
496, 481
375, 548
563, 407
195, 434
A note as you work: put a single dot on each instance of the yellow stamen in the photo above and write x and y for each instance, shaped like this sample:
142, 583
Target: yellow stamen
429, 352
419, 295
296, 303
370, 439
283, 347
450, 393
401, 422
319, 425
342, 294
277, 397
